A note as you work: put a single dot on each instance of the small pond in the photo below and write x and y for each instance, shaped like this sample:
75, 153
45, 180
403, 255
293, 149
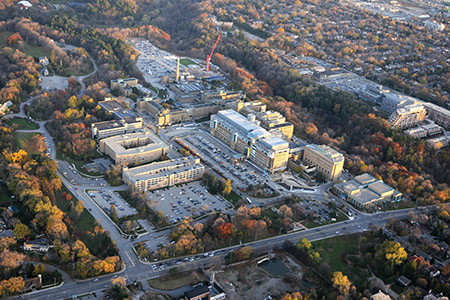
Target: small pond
274, 267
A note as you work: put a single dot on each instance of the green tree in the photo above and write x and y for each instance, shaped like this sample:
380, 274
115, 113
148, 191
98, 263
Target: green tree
341, 282
21, 231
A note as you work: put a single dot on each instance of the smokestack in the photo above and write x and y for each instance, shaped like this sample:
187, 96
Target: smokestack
178, 70
212, 278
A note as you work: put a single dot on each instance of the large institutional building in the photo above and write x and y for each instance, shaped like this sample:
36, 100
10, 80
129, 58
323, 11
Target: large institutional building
408, 116
101, 130
132, 149
244, 135
366, 191
162, 174
327, 161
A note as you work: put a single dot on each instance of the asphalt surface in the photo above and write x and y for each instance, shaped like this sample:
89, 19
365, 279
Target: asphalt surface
142, 271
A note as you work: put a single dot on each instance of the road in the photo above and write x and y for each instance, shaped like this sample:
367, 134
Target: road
143, 271
80, 78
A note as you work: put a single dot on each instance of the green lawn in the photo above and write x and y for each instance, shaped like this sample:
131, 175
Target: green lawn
5, 196
172, 282
186, 61
23, 140
85, 224
31, 50
22, 123
233, 197
331, 250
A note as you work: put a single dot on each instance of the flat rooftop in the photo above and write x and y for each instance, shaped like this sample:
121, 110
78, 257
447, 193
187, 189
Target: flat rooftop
115, 143
107, 125
365, 178
153, 170
327, 151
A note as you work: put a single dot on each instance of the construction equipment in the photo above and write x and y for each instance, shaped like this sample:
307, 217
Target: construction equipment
208, 58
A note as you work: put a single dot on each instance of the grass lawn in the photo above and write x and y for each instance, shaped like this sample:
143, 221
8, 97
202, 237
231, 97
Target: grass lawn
233, 197
85, 223
23, 140
172, 282
5, 197
31, 50
331, 250
186, 61
23, 124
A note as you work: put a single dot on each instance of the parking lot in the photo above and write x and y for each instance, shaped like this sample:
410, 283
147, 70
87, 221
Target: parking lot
107, 198
188, 200
220, 158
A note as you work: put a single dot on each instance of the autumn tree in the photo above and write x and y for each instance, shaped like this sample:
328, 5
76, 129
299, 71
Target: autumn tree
13, 39
227, 189
341, 282
39, 269
113, 214
11, 259
392, 252
21, 231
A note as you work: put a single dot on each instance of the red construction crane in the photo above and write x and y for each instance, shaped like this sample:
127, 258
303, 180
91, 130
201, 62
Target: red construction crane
208, 58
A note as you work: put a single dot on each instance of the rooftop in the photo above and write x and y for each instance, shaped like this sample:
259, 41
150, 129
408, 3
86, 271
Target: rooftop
116, 143
365, 178
167, 167
327, 151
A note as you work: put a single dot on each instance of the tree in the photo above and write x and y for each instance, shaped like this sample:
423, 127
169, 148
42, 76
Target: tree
304, 245
113, 214
341, 282
39, 269
392, 252
21, 231
13, 39
11, 259
227, 189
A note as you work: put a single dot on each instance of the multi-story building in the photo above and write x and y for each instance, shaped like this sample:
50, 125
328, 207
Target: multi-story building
101, 130
408, 116
162, 174
327, 161
125, 86
245, 136
439, 142
274, 121
438, 114
365, 191
165, 116
113, 106
433, 25
390, 102
132, 149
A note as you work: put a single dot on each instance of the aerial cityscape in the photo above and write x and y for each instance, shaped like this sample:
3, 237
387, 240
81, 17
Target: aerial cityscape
197, 149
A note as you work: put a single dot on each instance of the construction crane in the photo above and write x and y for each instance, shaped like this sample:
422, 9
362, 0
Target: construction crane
208, 58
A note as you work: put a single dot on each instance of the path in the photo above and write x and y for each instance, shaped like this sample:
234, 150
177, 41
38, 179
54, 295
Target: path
80, 78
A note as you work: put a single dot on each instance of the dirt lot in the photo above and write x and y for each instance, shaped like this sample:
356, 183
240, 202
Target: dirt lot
247, 281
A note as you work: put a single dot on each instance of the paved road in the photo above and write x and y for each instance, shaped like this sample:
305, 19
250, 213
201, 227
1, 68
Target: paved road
80, 78
143, 271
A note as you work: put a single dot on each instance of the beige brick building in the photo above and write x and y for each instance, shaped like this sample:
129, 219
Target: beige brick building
132, 149
327, 161
162, 174
245, 136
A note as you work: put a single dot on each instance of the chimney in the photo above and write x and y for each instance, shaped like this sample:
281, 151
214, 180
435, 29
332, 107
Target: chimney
178, 70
